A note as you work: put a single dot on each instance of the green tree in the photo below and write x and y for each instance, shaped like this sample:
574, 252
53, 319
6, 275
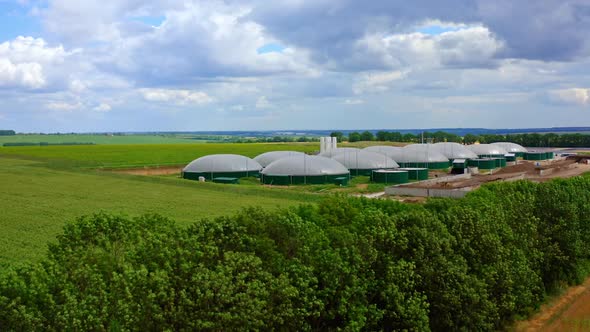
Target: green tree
354, 137
367, 136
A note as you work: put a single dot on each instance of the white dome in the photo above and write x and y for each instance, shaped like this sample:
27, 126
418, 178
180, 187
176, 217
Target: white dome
421, 153
268, 157
217, 163
362, 159
511, 147
392, 152
305, 165
453, 150
487, 149
334, 152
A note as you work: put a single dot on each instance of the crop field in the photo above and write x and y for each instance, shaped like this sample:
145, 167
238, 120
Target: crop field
96, 139
118, 156
44, 187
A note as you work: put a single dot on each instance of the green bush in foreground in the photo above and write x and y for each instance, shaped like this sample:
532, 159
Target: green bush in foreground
345, 264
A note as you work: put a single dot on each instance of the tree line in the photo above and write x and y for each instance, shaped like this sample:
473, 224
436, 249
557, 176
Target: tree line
529, 140
346, 263
7, 133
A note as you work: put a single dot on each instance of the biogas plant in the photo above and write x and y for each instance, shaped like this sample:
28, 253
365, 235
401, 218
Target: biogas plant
419, 169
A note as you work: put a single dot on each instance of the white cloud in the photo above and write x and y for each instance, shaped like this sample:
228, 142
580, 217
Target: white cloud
378, 81
575, 96
354, 102
263, 102
102, 107
179, 96
63, 106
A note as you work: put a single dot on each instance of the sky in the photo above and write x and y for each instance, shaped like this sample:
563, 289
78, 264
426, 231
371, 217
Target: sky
173, 65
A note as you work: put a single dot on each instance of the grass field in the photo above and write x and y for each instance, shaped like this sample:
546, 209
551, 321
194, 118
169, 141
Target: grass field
142, 154
96, 139
36, 201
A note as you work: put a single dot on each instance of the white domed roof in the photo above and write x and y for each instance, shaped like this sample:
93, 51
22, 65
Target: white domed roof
305, 165
334, 152
511, 147
216, 163
390, 151
453, 150
487, 149
268, 157
421, 153
362, 159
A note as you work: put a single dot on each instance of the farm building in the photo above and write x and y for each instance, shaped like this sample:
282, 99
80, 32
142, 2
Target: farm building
267, 158
333, 152
361, 162
516, 149
454, 150
305, 169
221, 166
422, 155
488, 150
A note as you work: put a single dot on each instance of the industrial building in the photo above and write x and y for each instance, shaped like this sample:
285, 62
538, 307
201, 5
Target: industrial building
224, 166
362, 162
267, 158
304, 169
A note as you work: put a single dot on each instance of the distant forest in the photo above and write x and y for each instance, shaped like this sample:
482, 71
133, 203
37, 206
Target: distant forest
530, 139
7, 133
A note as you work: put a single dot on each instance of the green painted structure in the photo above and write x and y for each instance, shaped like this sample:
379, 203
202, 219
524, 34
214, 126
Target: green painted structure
418, 174
286, 180
213, 175
511, 158
485, 163
537, 156
429, 165
390, 177
500, 162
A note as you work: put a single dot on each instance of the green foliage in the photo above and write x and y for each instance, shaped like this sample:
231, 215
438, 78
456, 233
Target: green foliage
354, 137
344, 264
7, 133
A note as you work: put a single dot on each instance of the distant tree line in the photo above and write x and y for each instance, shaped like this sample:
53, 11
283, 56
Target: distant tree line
7, 133
474, 264
275, 139
529, 140
45, 143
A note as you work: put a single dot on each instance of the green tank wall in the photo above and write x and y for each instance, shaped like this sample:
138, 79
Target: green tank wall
394, 177
362, 172
483, 163
211, 175
550, 155
416, 173
484, 156
285, 180
500, 162
511, 158
519, 154
436, 165
535, 156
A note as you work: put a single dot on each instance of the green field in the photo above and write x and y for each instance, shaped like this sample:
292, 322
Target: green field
44, 187
142, 154
96, 139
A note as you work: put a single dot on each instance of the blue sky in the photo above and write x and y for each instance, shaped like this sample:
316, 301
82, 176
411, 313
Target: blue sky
119, 65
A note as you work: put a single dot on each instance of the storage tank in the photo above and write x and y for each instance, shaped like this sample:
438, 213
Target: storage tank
390, 176
361, 162
454, 151
422, 156
221, 165
333, 152
483, 163
266, 158
488, 150
304, 169
517, 149
392, 152
418, 174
